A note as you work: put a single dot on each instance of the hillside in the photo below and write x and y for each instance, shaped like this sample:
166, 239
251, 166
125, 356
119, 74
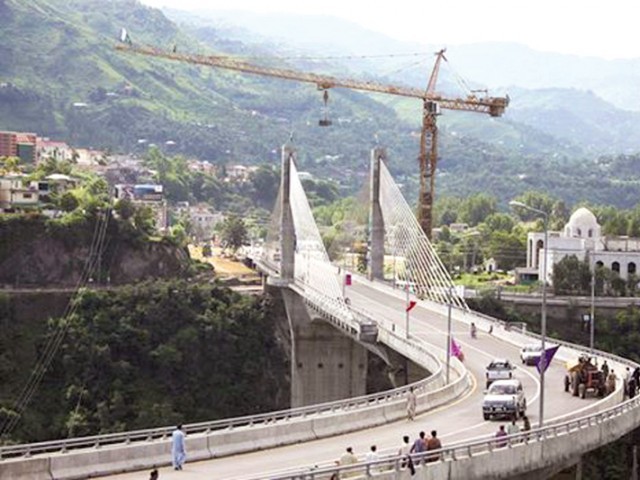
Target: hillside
61, 77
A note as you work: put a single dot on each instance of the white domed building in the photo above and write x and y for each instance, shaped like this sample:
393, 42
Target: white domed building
582, 237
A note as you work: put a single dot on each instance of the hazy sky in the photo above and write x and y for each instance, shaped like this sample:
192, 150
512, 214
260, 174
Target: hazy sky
606, 29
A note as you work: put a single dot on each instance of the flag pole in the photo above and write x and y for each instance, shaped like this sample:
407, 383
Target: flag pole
407, 310
448, 337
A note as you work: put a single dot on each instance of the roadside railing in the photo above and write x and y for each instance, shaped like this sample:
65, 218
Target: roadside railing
266, 419
458, 451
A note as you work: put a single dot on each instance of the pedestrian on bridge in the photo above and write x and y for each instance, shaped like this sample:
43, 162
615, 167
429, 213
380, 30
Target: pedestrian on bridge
412, 402
500, 440
178, 450
419, 446
433, 444
513, 428
348, 458
611, 382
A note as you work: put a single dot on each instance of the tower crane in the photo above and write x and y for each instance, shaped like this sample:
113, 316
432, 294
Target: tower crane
432, 103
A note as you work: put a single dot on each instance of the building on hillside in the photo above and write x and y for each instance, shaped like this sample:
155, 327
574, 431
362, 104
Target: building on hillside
88, 157
203, 220
148, 195
17, 194
490, 265
18, 144
582, 237
239, 173
59, 151
458, 227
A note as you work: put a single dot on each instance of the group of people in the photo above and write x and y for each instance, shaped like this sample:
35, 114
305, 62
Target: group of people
412, 453
631, 382
511, 429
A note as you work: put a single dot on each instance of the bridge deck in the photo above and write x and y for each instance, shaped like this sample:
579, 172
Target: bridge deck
460, 420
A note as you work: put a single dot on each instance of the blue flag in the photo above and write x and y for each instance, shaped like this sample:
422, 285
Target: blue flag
545, 359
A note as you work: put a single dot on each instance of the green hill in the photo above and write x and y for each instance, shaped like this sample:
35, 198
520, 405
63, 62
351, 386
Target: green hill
61, 77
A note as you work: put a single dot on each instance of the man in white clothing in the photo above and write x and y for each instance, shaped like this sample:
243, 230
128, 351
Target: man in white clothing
178, 451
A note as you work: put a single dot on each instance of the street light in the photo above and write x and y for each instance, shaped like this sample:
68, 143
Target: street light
543, 320
592, 311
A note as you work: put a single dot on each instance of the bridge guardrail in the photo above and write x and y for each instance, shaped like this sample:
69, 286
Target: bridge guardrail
145, 435
466, 450
460, 451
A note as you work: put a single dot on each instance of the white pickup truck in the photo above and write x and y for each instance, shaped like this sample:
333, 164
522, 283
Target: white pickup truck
499, 369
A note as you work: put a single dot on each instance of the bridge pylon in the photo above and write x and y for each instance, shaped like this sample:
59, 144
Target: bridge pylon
376, 263
287, 227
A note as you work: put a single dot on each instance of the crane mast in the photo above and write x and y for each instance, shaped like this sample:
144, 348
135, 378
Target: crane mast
432, 103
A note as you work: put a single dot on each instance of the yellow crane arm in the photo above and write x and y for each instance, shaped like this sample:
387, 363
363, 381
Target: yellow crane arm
494, 106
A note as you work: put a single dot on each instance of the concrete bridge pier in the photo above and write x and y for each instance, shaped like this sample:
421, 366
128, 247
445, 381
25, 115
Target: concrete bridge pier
326, 364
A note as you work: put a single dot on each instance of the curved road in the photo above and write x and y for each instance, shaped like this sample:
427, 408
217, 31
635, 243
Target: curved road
457, 421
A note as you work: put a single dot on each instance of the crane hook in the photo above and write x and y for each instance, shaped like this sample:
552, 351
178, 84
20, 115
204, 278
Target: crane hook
325, 122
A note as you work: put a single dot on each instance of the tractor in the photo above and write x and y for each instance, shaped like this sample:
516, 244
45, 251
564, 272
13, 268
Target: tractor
584, 377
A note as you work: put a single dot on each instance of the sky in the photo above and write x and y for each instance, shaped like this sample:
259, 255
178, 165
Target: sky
605, 29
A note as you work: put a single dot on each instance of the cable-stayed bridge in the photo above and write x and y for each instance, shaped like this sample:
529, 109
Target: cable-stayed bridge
337, 319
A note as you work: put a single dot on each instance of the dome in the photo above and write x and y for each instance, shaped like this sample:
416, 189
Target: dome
583, 217
582, 224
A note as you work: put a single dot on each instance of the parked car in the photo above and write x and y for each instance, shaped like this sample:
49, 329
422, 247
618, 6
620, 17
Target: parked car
499, 369
504, 398
530, 354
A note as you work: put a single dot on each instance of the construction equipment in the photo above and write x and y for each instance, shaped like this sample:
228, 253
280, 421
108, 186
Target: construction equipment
431, 101
584, 377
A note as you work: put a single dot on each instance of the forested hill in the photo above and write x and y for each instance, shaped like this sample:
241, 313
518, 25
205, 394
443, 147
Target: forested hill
61, 77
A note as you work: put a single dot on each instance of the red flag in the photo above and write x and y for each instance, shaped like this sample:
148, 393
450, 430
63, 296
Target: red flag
412, 303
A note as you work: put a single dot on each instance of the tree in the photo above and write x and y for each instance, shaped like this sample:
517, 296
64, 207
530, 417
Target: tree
233, 232
125, 208
144, 219
68, 202
508, 250
571, 276
477, 208
537, 200
265, 182
10, 164
499, 222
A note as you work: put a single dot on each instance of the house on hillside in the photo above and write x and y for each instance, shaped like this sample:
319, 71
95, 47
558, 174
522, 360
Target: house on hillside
17, 194
582, 237
147, 195
59, 151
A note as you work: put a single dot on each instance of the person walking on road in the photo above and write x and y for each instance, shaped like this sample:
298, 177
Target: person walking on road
178, 450
412, 402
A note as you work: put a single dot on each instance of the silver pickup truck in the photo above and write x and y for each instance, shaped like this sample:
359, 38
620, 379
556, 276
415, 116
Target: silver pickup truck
499, 369
505, 398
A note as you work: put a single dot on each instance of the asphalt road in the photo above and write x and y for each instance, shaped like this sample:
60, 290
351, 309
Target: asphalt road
457, 421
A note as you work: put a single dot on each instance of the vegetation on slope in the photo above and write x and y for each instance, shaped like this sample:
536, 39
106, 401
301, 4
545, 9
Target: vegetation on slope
145, 355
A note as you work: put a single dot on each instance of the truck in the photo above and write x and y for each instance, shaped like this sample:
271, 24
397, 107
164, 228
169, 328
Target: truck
498, 369
583, 377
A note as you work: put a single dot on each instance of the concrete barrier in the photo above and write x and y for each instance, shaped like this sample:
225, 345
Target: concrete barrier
25, 469
107, 460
